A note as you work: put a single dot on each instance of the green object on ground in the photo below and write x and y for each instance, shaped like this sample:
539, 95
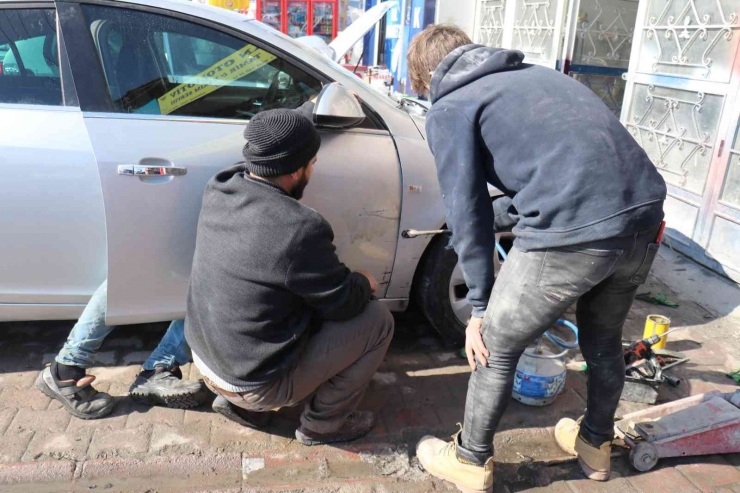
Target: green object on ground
657, 299
735, 375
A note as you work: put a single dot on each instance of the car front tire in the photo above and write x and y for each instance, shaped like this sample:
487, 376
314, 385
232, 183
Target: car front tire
440, 290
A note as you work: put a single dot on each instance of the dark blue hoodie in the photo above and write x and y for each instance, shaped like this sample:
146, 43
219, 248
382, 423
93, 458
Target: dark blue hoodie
573, 171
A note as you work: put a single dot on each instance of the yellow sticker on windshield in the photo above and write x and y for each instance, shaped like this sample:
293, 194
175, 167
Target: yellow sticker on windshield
221, 73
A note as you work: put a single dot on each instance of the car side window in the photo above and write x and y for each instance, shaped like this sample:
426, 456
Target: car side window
156, 64
29, 57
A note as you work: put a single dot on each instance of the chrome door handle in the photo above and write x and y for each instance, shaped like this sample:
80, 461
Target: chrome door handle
140, 170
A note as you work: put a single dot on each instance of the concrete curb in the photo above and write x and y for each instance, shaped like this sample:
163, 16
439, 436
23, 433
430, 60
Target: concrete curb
174, 465
67, 471
36, 472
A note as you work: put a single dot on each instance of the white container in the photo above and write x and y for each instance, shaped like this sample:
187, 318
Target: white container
540, 377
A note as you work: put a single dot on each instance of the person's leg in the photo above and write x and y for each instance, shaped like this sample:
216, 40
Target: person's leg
160, 381
334, 369
525, 302
601, 314
533, 290
338, 363
172, 349
65, 380
88, 333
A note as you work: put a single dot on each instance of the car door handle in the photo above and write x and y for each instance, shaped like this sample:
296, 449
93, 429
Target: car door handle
141, 170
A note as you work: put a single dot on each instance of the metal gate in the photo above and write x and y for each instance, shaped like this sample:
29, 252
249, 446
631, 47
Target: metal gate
587, 39
681, 105
531, 26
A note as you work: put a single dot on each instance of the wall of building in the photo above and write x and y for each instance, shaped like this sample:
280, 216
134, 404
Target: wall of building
458, 12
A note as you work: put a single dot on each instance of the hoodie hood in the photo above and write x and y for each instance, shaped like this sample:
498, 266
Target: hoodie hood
469, 63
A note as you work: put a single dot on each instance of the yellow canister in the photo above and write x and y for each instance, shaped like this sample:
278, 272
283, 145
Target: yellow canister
657, 324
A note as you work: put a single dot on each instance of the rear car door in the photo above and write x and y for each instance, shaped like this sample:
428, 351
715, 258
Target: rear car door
52, 225
165, 103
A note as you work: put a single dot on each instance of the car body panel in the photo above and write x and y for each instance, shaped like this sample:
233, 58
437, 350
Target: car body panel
152, 219
50, 181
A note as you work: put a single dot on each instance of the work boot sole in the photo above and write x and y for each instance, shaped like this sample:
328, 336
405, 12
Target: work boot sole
175, 400
308, 441
225, 410
49, 392
592, 474
460, 487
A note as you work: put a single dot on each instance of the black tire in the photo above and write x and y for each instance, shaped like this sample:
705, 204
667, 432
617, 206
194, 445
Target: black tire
431, 290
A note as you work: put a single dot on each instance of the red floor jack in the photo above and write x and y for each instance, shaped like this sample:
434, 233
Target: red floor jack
698, 425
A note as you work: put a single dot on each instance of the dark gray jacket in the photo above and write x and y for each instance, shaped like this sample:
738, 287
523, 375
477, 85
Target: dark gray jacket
573, 171
265, 272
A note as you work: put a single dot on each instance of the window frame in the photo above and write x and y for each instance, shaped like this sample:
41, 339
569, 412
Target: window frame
66, 80
93, 88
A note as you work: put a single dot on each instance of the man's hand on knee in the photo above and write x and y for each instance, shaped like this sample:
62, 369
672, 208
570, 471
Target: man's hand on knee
474, 345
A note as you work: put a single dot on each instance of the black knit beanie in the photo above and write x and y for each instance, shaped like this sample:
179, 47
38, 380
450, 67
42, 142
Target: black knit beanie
279, 142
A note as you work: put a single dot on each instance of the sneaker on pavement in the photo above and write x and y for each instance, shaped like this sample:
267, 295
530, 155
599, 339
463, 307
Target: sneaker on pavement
439, 458
165, 387
250, 419
595, 462
357, 425
78, 397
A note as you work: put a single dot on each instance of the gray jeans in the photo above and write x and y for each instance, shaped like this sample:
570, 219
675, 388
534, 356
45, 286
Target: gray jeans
533, 290
334, 369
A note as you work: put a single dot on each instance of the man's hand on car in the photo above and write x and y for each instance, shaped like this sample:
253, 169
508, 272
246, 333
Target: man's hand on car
474, 345
371, 278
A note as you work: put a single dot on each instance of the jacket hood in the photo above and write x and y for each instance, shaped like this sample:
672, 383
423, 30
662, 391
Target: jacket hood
469, 63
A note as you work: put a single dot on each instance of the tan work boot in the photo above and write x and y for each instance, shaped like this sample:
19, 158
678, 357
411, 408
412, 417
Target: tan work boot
439, 458
595, 462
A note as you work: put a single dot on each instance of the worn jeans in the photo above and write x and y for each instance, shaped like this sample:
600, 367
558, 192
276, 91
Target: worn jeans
334, 369
533, 290
90, 331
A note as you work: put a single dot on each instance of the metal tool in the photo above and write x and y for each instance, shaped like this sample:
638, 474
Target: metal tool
699, 425
413, 233
642, 349
645, 369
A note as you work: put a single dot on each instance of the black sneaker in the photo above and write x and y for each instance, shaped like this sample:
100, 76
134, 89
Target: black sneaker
77, 396
358, 424
250, 419
165, 387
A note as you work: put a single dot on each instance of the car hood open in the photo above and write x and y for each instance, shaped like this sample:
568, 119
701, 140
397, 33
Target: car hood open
350, 36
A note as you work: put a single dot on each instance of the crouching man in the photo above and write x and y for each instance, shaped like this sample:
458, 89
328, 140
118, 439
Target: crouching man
273, 316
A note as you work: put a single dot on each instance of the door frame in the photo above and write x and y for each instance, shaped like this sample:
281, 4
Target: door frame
510, 29
708, 205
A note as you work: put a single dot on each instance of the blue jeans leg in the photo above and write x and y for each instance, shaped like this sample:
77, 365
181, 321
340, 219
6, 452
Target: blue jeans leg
172, 349
88, 333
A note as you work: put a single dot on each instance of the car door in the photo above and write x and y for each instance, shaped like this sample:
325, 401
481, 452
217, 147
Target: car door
166, 101
52, 224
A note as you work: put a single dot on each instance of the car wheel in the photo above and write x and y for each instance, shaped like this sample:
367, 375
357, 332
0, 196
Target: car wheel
440, 290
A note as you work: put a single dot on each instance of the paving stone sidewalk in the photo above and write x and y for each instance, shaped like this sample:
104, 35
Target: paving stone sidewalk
419, 390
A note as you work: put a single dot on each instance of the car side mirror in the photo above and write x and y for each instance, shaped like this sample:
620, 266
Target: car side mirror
337, 107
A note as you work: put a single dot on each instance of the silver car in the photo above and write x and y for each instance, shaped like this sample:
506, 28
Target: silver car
114, 115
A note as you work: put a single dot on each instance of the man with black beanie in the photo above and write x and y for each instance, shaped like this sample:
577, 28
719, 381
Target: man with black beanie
273, 316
